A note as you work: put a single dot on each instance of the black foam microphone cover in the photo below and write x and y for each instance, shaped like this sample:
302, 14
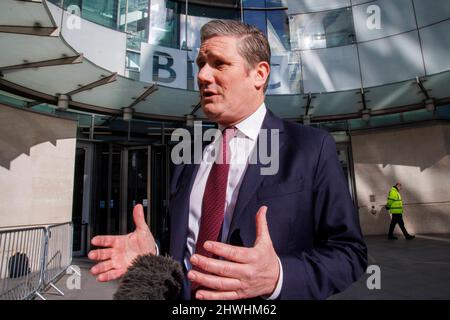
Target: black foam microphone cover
151, 278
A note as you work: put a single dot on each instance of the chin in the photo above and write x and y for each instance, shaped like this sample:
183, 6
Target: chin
212, 111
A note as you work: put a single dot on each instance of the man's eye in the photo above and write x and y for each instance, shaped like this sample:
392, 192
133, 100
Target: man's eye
218, 63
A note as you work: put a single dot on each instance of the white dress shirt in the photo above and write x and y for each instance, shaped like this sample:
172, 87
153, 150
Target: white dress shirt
241, 147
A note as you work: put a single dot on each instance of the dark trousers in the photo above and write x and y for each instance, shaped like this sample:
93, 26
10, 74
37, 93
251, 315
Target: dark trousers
397, 218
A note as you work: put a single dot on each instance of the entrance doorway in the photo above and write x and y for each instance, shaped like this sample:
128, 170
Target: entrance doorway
124, 176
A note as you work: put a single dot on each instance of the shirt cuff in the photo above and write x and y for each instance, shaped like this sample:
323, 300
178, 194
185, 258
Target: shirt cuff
277, 290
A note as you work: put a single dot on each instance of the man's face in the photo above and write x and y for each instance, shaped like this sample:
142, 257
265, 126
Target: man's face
227, 87
399, 186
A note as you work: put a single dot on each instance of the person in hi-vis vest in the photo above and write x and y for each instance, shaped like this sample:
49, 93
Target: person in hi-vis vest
395, 207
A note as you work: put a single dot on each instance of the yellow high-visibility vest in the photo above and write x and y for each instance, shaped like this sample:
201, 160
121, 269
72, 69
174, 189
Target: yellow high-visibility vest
394, 202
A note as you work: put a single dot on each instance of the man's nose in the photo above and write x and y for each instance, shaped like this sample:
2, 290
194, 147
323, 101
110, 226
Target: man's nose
204, 75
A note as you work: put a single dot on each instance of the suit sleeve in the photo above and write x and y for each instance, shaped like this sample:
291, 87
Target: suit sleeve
339, 255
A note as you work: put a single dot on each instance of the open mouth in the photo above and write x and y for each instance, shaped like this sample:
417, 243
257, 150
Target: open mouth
208, 94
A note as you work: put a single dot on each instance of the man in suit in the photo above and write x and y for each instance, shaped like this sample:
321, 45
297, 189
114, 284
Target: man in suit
239, 234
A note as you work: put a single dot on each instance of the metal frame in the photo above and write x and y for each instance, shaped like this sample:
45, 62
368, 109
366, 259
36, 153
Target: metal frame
45, 63
21, 239
87, 187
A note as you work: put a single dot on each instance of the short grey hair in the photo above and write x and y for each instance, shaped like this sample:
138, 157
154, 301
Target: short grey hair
253, 45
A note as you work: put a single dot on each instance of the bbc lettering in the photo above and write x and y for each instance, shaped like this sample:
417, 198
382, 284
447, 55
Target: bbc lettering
170, 67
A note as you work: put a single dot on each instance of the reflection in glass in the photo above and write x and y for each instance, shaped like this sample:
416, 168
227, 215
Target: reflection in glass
132, 60
278, 31
192, 32
103, 12
198, 15
322, 29
134, 21
164, 23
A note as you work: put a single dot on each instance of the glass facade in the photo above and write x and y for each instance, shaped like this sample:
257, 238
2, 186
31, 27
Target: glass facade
369, 53
322, 30
326, 49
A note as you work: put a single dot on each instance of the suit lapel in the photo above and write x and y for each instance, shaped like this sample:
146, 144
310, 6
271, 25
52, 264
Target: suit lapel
253, 177
180, 209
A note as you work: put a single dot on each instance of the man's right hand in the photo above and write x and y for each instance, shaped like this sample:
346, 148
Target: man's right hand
119, 252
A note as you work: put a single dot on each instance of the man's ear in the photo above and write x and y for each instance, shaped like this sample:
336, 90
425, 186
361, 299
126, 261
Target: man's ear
262, 73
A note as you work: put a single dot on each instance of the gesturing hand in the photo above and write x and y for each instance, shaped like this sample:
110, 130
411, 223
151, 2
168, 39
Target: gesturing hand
120, 251
249, 272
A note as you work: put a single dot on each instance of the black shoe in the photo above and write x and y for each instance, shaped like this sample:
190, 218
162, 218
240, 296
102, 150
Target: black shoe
392, 238
409, 237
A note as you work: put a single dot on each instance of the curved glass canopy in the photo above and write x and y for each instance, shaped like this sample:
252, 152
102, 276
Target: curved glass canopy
332, 60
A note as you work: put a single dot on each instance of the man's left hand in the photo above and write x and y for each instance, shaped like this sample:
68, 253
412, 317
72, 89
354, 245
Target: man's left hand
246, 273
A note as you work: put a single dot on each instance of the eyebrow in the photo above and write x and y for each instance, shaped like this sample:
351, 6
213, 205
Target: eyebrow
201, 57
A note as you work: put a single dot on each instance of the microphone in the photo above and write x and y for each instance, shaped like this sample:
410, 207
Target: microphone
151, 277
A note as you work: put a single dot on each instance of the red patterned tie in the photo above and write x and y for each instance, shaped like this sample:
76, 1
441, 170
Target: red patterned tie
213, 205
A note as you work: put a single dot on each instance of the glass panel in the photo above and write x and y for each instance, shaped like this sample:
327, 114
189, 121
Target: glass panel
134, 21
375, 121
428, 13
67, 3
438, 85
132, 60
436, 47
286, 106
192, 32
322, 29
383, 18
198, 16
331, 69
137, 181
264, 4
257, 19
164, 23
253, 4
278, 31
443, 112
104, 201
393, 95
305, 6
417, 115
285, 75
9, 99
104, 12
335, 103
391, 59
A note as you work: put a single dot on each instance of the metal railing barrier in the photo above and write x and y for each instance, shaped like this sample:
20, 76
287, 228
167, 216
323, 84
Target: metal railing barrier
32, 259
21, 259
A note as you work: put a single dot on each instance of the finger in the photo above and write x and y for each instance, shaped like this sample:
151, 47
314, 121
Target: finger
217, 295
214, 282
101, 254
262, 229
110, 275
103, 241
219, 267
229, 252
102, 267
138, 217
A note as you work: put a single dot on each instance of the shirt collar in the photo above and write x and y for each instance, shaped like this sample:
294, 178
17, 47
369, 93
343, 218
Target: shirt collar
251, 125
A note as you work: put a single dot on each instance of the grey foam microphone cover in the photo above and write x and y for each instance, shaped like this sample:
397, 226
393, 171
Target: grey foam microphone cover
151, 278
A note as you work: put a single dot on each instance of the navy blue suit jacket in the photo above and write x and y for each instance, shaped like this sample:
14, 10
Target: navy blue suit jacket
311, 217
